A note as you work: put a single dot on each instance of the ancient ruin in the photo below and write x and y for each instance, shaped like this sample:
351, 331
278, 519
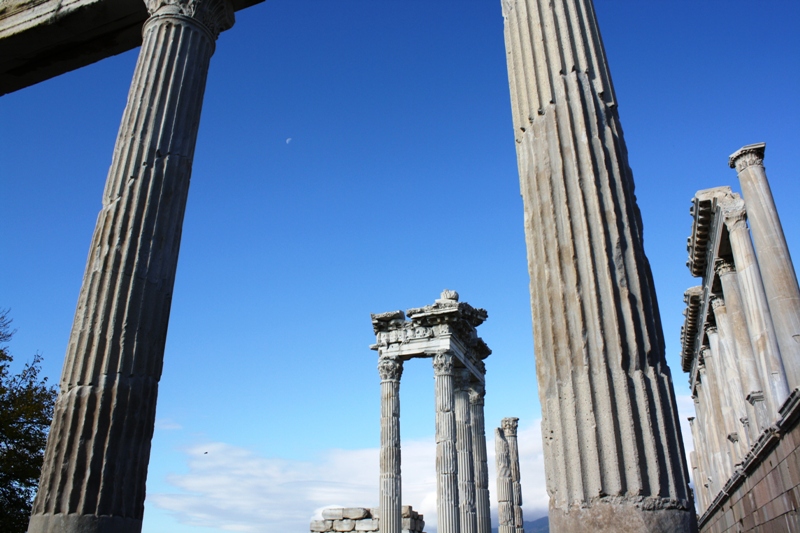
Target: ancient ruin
444, 332
739, 348
613, 452
363, 519
509, 488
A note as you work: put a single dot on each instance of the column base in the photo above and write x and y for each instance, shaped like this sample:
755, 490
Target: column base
622, 517
76, 523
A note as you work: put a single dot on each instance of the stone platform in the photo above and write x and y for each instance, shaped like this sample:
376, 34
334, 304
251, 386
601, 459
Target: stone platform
363, 519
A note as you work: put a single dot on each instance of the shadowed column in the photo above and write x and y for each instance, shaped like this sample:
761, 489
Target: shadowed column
466, 465
482, 511
509, 426
505, 484
613, 450
390, 505
95, 466
446, 454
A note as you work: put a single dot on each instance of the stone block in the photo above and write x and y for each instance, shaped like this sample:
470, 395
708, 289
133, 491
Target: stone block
333, 514
368, 524
344, 525
355, 513
321, 525
375, 512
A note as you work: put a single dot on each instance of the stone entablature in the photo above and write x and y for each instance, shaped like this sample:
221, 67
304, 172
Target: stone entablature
344, 519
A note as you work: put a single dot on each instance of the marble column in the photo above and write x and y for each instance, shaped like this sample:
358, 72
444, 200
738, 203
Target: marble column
698, 473
701, 445
613, 449
505, 484
446, 453
390, 502
95, 466
780, 279
482, 508
509, 426
752, 387
757, 312
466, 464
728, 421
710, 416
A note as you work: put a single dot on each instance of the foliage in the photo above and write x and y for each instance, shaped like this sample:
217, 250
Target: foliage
26, 409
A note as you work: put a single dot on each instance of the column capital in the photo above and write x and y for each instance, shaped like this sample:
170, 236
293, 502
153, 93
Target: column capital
710, 330
746, 156
477, 392
723, 266
735, 215
717, 301
443, 363
462, 379
390, 368
215, 16
509, 426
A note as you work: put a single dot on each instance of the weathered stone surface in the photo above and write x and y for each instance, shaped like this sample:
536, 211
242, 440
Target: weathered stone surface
390, 369
321, 525
369, 524
609, 425
344, 525
355, 513
95, 466
336, 513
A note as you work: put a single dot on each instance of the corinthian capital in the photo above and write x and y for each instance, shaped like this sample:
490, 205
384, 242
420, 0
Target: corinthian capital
735, 215
390, 368
215, 15
509, 426
723, 266
752, 154
477, 392
443, 363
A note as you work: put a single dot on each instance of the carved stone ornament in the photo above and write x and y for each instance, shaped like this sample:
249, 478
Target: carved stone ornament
477, 392
215, 15
752, 154
390, 368
509, 426
735, 217
716, 302
443, 363
723, 266
710, 330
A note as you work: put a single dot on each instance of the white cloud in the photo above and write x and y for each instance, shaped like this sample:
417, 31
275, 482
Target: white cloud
234, 489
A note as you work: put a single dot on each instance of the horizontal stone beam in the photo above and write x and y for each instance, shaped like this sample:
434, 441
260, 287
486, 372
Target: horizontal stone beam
41, 39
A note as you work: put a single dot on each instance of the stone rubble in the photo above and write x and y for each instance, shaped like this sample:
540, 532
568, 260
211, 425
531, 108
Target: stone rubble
364, 519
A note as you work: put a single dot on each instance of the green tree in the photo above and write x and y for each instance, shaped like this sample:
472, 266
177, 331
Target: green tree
26, 409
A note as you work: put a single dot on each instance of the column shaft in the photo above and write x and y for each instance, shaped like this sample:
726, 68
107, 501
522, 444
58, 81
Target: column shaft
723, 413
780, 280
505, 485
482, 511
95, 466
710, 421
390, 501
610, 422
446, 454
466, 472
510, 432
752, 386
757, 313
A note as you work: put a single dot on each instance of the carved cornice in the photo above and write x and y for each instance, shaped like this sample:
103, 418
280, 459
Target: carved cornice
443, 363
694, 300
215, 16
704, 214
723, 266
390, 368
509, 426
752, 154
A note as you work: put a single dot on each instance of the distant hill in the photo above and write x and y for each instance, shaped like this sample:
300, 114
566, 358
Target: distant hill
541, 525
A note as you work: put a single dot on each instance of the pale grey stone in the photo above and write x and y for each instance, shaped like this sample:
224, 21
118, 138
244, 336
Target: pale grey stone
335, 513
344, 525
355, 513
368, 524
321, 525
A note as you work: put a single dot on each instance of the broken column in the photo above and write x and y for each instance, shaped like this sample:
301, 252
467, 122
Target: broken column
613, 450
505, 484
509, 426
390, 505
446, 453
95, 465
780, 280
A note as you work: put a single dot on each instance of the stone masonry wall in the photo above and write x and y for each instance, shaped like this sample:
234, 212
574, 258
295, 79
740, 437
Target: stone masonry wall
764, 494
363, 519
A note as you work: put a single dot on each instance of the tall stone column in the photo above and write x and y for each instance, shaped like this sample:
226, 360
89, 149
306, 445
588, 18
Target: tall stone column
95, 466
780, 280
711, 422
757, 312
614, 454
446, 452
721, 394
466, 465
482, 508
505, 484
390, 502
701, 445
510, 431
698, 474
749, 372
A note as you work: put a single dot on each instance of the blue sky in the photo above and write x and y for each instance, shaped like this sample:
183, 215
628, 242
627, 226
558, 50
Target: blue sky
358, 157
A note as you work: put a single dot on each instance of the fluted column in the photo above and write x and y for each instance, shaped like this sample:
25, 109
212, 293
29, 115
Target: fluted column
723, 412
612, 437
95, 466
466, 465
510, 432
698, 474
757, 312
752, 387
701, 446
446, 454
482, 509
390, 500
774, 260
505, 484
711, 421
